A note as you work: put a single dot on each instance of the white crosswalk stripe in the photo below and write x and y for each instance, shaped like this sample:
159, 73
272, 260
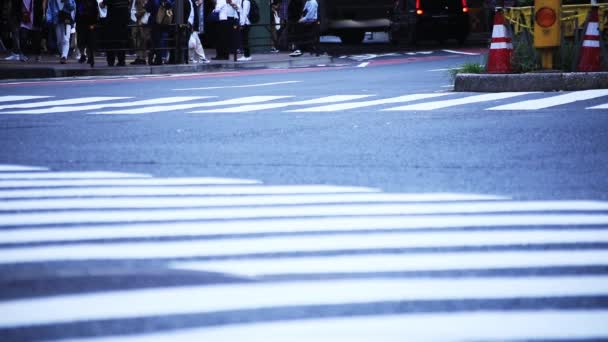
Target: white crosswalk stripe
361, 104
554, 100
15, 105
65, 109
14, 98
51, 103
251, 108
302, 262
156, 109
456, 102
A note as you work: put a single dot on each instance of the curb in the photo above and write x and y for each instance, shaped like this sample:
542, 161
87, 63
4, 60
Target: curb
550, 81
34, 71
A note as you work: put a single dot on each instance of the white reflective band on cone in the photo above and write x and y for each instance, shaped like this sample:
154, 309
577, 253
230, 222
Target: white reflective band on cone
501, 46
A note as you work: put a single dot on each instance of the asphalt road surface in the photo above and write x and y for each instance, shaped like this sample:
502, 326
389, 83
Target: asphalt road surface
358, 201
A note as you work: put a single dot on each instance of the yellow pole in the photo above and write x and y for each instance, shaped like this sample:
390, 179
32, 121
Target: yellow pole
546, 58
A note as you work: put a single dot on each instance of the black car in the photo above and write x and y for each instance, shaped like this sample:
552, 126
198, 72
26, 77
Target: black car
415, 20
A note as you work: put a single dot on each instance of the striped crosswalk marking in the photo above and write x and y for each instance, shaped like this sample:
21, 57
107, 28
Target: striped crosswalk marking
322, 262
476, 325
456, 102
602, 106
178, 191
68, 175
299, 226
213, 201
11, 98
65, 109
180, 300
12, 168
362, 104
292, 211
251, 108
553, 101
50, 103
448, 261
166, 108
148, 181
342, 242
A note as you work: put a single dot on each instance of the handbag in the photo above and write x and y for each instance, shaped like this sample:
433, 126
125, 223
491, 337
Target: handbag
164, 16
213, 17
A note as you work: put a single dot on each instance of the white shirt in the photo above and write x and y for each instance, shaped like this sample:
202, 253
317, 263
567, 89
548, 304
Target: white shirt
310, 7
244, 9
191, 14
225, 10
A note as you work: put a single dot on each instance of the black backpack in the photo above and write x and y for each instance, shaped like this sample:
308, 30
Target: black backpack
254, 12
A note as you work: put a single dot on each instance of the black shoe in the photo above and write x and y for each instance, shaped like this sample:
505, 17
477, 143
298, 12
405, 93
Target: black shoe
63, 60
82, 59
121, 63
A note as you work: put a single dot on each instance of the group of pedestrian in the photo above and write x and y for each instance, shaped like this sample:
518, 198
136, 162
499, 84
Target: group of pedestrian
90, 24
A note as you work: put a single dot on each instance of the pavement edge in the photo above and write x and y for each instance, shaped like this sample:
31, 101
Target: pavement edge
550, 81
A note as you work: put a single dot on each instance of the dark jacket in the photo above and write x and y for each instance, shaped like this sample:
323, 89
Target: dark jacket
87, 12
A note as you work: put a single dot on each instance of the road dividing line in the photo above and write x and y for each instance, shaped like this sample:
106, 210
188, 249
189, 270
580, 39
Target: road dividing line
215, 298
242, 86
363, 65
61, 102
64, 109
525, 325
456, 102
69, 175
361, 104
380, 263
255, 107
554, 100
301, 226
156, 109
222, 201
10, 98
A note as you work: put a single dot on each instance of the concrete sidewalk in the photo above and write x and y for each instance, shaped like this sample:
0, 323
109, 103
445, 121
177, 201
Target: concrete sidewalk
49, 66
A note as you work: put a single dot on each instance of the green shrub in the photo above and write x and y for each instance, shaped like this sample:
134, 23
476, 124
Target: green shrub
524, 58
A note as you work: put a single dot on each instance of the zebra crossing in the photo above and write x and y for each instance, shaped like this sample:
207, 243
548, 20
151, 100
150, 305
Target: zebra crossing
107, 105
237, 259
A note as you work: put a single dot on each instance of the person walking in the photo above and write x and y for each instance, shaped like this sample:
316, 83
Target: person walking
197, 52
87, 12
244, 23
226, 30
117, 30
305, 28
60, 14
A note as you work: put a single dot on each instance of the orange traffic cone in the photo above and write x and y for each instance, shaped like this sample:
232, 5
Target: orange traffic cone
590, 51
501, 48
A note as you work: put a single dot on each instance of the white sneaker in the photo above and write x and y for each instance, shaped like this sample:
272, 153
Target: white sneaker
244, 59
12, 57
204, 60
296, 53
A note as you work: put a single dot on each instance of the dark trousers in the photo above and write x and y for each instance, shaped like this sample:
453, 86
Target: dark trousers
245, 40
158, 34
86, 40
226, 32
117, 34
